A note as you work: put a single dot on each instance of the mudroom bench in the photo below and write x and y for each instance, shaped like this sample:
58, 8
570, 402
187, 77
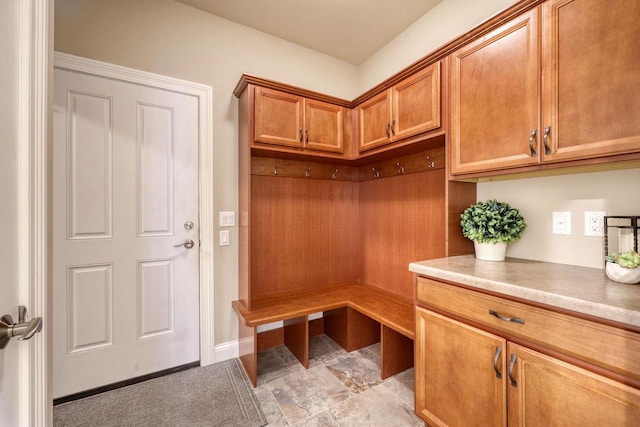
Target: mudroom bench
355, 315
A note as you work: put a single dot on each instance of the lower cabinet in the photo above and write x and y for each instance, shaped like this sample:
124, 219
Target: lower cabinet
468, 377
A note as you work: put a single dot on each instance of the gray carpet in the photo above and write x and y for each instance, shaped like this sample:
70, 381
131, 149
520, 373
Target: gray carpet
214, 395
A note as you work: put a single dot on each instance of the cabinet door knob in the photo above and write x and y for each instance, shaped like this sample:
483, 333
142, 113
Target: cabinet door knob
495, 362
531, 139
547, 150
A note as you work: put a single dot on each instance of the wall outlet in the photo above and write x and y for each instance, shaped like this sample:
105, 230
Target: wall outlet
561, 223
594, 223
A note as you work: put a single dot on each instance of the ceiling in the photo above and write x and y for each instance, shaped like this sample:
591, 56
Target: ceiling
351, 30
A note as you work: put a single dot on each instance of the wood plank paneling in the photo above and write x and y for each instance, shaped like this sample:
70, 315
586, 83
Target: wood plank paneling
401, 220
305, 234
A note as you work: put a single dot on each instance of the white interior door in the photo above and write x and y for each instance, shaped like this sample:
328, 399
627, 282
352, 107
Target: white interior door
125, 197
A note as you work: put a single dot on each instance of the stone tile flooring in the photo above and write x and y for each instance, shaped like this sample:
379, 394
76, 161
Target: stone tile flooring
338, 389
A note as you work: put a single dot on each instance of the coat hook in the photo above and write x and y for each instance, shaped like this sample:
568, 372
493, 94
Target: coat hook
432, 164
308, 172
376, 173
275, 170
335, 174
400, 167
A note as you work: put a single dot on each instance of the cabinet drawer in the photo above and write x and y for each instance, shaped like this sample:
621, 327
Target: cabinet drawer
598, 344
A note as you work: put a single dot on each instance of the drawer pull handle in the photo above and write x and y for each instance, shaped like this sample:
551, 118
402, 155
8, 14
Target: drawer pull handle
511, 365
506, 318
495, 362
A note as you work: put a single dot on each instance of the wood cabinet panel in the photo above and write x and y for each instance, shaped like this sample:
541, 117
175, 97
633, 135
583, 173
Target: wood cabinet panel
456, 382
495, 97
416, 103
374, 117
550, 392
591, 82
323, 126
278, 118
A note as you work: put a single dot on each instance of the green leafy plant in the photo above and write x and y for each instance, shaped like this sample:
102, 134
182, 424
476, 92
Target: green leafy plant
629, 259
492, 222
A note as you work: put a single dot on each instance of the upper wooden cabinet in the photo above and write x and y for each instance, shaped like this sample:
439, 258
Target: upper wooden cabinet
495, 98
293, 121
408, 108
522, 97
591, 78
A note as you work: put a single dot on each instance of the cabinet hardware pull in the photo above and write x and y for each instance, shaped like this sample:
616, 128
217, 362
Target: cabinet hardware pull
300, 129
388, 132
531, 138
393, 127
334, 175
547, 150
306, 132
275, 170
495, 362
308, 172
507, 318
511, 365
376, 173
400, 167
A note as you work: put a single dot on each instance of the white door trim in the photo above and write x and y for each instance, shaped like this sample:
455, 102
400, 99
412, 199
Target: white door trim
204, 94
36, 17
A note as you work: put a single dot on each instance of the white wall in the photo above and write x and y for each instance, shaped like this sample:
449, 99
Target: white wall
170, 38
615, 192
445, 22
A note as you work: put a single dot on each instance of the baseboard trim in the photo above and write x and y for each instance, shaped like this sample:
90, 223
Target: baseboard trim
226, 351
124, 383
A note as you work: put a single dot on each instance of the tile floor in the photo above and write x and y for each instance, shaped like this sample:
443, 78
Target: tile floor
338, 389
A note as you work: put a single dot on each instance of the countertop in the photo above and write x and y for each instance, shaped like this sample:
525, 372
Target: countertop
579, 289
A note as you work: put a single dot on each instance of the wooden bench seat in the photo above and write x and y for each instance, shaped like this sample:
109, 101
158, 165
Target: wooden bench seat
354, 315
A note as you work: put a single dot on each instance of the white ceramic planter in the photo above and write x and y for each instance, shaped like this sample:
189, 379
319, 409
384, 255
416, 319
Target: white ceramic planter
621, 274
490, 251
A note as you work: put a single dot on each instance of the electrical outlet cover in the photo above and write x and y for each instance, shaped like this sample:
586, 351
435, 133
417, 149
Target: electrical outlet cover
594, 223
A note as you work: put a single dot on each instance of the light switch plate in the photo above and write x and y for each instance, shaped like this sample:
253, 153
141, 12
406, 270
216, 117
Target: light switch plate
227, 219
561, 223
225, 238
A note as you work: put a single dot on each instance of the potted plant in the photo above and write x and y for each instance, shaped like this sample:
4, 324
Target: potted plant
492, 225
623, 267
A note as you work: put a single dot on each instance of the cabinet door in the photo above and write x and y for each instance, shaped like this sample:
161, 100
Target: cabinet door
460, 373
278, 118
591, 83
548, 392
323, 126
495, 99
375, 121
416, 103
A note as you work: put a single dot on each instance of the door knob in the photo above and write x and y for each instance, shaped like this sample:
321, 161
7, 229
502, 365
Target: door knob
187, 244
24, 330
